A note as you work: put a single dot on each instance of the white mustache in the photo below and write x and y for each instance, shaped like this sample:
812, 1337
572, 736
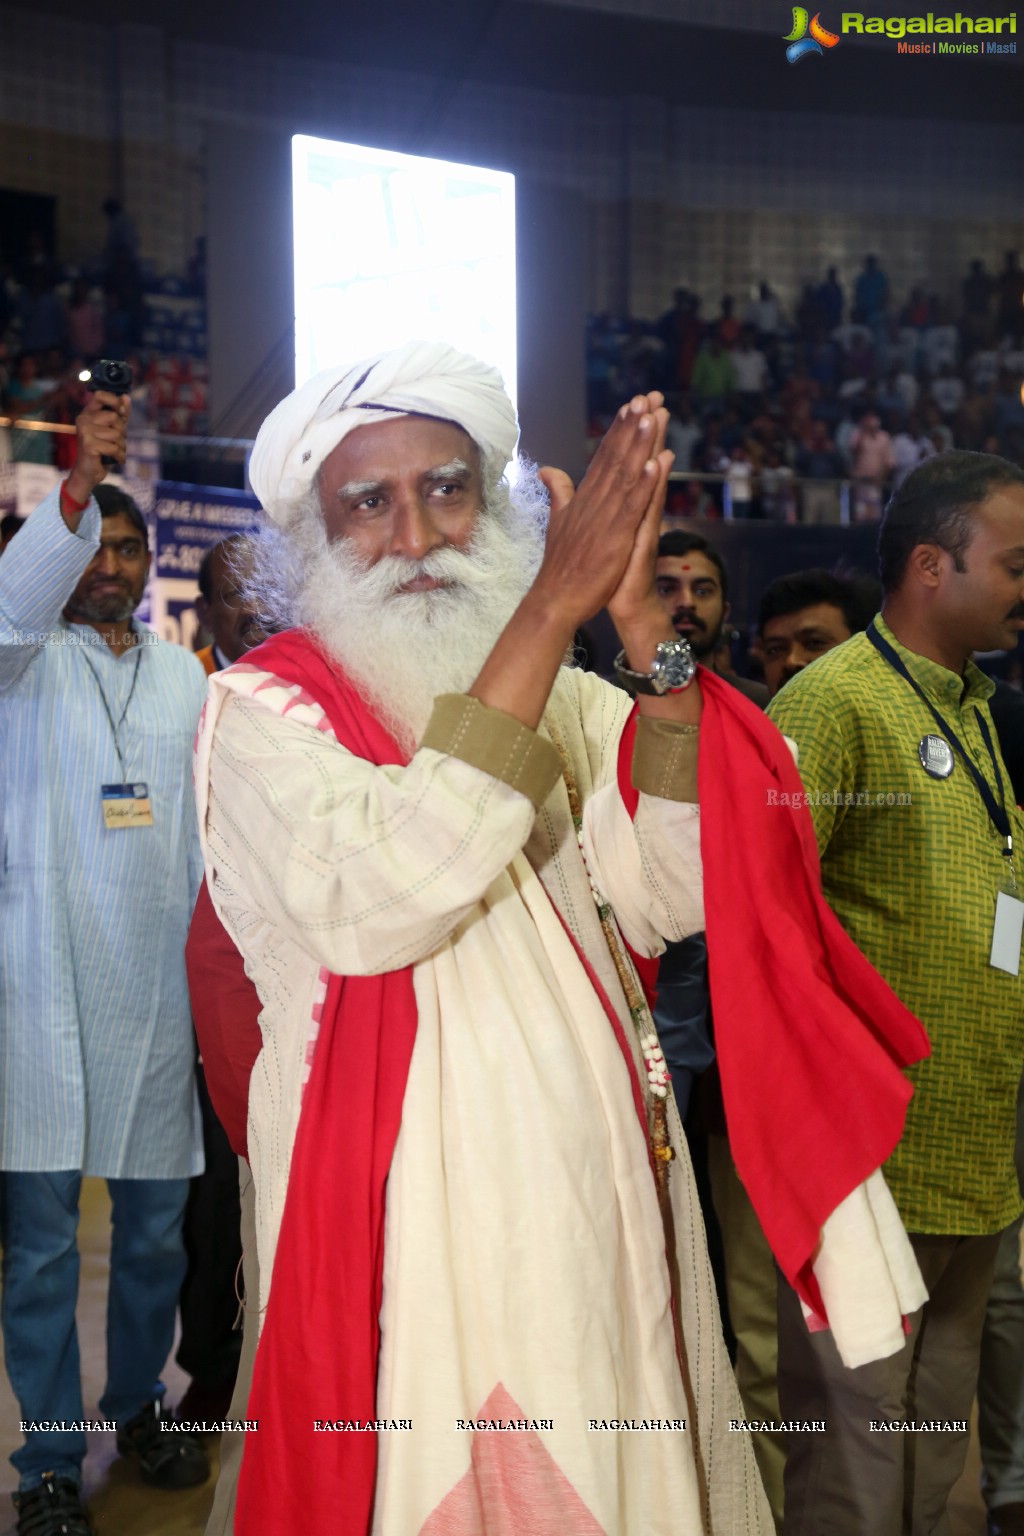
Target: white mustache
451, 566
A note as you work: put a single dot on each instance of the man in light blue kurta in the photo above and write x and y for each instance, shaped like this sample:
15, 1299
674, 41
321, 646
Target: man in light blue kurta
96, 1043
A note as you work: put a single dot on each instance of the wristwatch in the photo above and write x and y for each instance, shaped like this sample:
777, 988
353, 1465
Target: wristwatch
673, 669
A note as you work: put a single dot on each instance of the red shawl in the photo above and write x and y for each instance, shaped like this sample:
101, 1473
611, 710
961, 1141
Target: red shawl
810, 1040
318, 1349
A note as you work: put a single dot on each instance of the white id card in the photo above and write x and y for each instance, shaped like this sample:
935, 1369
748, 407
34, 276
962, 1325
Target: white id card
1006, 934
125, 806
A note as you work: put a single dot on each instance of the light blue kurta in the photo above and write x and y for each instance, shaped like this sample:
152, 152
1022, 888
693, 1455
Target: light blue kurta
96, 1041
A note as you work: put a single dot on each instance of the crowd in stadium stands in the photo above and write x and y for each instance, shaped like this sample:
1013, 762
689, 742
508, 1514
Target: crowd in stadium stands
56, 321
796, 416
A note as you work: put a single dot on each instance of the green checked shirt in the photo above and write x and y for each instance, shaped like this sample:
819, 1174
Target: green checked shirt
912, 866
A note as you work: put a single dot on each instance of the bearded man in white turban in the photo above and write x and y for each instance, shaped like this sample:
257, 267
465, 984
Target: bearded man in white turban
485, 1304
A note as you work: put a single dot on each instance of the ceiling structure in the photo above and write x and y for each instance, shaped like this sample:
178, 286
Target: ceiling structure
722, 53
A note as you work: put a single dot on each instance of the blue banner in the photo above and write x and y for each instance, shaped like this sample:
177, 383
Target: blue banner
188, 520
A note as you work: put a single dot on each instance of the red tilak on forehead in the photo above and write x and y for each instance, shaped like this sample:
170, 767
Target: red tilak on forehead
686, 567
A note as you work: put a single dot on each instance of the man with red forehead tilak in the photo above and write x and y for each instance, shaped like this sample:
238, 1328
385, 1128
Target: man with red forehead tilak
446, 858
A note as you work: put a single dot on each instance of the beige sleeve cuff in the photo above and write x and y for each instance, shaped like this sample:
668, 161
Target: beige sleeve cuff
496, 743
665, 759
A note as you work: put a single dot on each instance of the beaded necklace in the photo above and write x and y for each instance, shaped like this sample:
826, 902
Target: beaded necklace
656, 1095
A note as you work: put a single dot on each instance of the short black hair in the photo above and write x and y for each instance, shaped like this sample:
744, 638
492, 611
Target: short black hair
678, 542
935, 505
113, 502
205, 577
856, 598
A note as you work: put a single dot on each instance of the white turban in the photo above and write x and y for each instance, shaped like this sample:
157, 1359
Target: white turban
423, 378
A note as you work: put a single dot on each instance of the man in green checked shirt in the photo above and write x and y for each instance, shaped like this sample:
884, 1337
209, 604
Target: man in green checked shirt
914, 818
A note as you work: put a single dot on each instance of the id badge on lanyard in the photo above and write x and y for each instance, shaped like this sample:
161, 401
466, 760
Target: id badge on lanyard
126, 805
937, 760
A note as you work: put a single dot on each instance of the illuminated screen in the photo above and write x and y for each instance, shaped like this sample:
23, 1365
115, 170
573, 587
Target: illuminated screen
392, 248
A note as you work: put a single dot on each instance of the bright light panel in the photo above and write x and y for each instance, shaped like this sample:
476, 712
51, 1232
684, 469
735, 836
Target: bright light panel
392, 248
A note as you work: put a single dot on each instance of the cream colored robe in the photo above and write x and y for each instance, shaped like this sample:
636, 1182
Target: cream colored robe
525, 1261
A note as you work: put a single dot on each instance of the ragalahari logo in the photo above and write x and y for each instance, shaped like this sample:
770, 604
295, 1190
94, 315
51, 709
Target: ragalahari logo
799, 43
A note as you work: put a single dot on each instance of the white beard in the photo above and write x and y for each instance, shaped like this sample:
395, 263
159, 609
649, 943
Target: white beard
403, 649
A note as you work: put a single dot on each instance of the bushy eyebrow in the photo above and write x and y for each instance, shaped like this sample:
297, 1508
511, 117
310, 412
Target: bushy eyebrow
354, 489
359, 488
448, 471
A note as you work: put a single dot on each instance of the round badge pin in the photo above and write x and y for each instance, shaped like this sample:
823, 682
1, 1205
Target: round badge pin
936, 756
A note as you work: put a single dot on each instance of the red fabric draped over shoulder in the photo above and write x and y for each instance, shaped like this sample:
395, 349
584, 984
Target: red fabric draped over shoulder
810, 1040
318, 1350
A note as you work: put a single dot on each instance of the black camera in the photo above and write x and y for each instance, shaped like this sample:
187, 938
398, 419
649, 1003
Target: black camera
116, 378
112, 376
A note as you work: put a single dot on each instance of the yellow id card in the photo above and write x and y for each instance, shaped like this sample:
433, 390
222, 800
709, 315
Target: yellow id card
126, 805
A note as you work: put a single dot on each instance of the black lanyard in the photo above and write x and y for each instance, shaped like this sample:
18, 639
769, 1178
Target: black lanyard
115, 729
996, 809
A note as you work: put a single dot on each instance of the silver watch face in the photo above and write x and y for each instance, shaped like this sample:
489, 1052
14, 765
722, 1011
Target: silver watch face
674, 665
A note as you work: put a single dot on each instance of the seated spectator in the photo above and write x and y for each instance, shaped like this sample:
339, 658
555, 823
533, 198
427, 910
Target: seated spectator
739, 479
66, 404
984, 368
714, 375
810, 315
976, 297
940, 341
38, 260
907, 450
798, 387
818, 459
823, 362
1010, 301
126, 306
845, 336
902, 387
641, 360
122, 242
897, 346
1009, 411
947, 390
727, 326
733, 429
915, 312
765, 314
976, 417
687, 499
708, 453
1011, 353
871, 464
830, 297
27, 396
85, 323
602, 376
680, 330
934, 426
860, 358
683, 434
806, 614
778, 495
751, 369
871, 293
39, 315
